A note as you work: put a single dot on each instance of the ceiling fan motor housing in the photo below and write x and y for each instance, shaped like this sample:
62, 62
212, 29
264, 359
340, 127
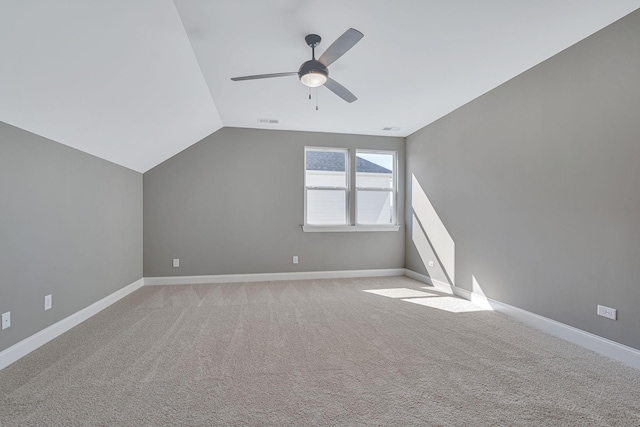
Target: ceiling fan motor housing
312, 73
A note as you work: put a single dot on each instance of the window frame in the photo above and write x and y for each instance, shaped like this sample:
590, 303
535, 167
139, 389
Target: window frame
393, 190
350, 224
347, 188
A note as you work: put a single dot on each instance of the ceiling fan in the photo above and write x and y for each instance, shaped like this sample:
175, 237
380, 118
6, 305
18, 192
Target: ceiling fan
314, 73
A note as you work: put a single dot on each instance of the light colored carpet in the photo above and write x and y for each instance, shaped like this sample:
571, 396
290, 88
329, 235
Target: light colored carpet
316, 352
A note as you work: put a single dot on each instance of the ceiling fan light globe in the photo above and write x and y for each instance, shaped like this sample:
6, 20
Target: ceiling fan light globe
313, 74
313, 79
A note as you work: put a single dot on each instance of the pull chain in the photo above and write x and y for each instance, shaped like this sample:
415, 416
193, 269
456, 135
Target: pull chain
316, 98
309, 93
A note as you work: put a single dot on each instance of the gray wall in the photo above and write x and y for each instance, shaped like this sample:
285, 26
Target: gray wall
70, 226
537, 183
233, 204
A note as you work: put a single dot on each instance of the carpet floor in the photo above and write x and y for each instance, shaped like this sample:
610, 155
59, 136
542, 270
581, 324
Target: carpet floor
374, 351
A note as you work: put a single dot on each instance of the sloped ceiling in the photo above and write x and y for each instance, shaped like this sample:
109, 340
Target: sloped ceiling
135, 82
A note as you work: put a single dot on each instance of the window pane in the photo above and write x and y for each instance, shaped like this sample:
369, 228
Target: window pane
326, 207
375, 207
374, 170
325, 168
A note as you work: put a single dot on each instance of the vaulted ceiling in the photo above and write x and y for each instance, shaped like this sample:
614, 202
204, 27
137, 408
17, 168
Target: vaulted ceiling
135, 82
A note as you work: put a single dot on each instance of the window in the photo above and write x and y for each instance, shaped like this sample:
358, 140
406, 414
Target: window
326, 186
375, 187
331, 205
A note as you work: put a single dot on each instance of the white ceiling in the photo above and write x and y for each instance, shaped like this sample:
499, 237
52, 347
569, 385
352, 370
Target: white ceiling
135, 82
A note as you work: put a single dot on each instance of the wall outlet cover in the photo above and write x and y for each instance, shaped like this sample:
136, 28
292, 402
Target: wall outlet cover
47, 302
176, 262
6, 320
608, 312
295, 259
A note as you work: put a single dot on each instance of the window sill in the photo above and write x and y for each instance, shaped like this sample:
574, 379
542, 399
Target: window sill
347, 228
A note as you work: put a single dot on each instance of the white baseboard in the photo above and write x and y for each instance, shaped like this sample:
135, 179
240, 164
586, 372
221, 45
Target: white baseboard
269, 277
606, 347
27, 345
593, 342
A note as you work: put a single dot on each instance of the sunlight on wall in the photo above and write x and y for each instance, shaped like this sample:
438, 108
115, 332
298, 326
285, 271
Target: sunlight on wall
420, 241
429, 230
478, 296
475, 287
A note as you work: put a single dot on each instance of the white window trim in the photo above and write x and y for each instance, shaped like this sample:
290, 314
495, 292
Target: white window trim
348, 227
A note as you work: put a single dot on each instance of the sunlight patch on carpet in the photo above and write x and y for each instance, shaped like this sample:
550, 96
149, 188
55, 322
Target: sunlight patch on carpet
450, 304
400, 293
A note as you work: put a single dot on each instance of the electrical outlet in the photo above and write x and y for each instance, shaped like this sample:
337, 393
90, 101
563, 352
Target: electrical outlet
607, 312
6, 320
430, 263
176, 262
47, 302
295, 259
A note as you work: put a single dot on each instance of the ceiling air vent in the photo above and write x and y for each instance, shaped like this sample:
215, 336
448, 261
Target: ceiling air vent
269, 121
391, 129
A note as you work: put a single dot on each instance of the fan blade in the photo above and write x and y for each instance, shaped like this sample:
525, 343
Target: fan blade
339, 90
340, 46
264, 76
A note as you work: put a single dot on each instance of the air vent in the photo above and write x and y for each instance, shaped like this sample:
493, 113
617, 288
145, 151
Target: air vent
269, 121
391, 129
